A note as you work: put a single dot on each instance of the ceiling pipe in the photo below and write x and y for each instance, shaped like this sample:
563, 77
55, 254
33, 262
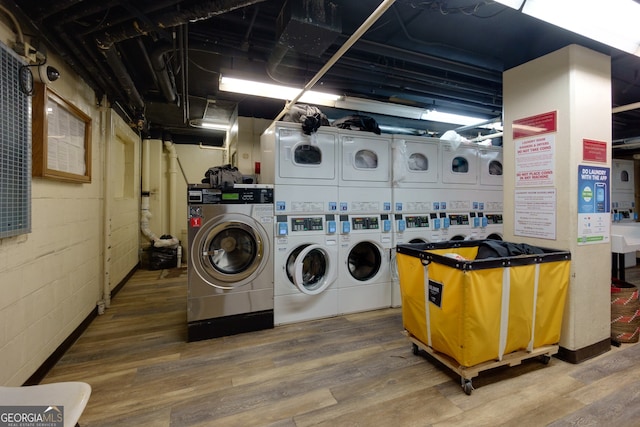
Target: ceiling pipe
386, 4
440, 49
628, 107
198, 12
166, 82
115, 62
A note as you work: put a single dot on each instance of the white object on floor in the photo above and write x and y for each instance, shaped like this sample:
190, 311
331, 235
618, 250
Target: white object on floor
73, 396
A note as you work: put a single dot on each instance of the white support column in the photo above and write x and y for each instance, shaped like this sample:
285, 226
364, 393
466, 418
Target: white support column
575, 83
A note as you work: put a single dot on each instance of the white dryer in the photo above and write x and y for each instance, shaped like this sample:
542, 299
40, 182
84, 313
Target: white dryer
294, 161
622, 191
415, 167
622, 176
306, 267
364, 277
490, 166
365, 172
458, 166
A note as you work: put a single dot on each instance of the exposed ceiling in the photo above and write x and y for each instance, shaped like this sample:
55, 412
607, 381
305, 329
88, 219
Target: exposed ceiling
447, 54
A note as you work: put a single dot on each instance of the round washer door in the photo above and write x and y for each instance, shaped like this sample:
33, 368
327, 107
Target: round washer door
364, 261
311, 269
229, 251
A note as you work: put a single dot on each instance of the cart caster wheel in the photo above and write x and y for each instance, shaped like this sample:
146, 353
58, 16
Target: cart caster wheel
414, 349
545, 359
467, 387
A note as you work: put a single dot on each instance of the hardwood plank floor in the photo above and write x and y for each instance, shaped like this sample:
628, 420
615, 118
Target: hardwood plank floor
354, 370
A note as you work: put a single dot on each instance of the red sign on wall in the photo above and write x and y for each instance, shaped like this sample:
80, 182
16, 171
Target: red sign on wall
535, 125
594, 151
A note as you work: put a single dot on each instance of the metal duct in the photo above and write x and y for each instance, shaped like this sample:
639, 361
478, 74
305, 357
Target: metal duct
115, 62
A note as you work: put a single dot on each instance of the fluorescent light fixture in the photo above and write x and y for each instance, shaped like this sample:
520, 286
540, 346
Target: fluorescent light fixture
267, 90
377, 107
611, 22
456, 119
248, 87
200, 123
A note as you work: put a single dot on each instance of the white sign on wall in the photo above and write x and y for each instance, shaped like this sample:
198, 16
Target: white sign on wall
535, 213
535, 161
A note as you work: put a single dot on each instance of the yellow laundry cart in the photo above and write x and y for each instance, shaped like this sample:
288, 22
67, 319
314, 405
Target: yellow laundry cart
474, 308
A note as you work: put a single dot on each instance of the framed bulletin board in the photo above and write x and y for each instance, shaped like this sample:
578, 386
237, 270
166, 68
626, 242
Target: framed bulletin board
61, 138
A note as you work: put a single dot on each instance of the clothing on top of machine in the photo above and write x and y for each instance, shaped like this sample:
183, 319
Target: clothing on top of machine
224, 177
309, 116
358, 122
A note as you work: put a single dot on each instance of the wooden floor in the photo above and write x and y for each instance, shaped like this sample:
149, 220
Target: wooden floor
355, 370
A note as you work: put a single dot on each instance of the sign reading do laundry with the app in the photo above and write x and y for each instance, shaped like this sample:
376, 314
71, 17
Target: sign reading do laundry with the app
593, 204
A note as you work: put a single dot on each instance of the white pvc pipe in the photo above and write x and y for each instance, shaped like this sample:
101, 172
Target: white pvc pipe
173, 173
145, 214
107, 123
386, 4
145, 166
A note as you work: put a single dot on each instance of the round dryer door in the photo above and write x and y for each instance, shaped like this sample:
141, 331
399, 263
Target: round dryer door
311, 269
364, 261
229, 253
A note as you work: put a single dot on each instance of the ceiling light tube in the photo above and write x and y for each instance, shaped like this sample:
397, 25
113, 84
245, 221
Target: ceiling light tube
199, 123
268, 90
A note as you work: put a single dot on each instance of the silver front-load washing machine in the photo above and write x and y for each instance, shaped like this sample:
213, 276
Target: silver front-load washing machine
230, 268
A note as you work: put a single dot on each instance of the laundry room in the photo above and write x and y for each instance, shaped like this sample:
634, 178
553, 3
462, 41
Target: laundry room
288, 212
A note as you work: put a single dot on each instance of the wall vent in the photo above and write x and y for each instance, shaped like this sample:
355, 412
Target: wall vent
15, 147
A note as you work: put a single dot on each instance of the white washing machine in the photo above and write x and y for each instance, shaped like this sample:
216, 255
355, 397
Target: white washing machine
364, 276
490, 166
623, 207
293, 162
459, 226
488, 207
459, 166
408, 228
365, 172
415, 167
306, 267
230, 267
456, 206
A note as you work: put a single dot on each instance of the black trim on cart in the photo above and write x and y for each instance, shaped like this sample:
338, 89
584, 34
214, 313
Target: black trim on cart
422, 251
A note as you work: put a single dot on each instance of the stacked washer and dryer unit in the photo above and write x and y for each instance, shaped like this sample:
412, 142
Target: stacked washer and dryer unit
490, 191
414, 191
344, 199
365, 227
304, 171
623, 191
443, 192
623, 199
333, 234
